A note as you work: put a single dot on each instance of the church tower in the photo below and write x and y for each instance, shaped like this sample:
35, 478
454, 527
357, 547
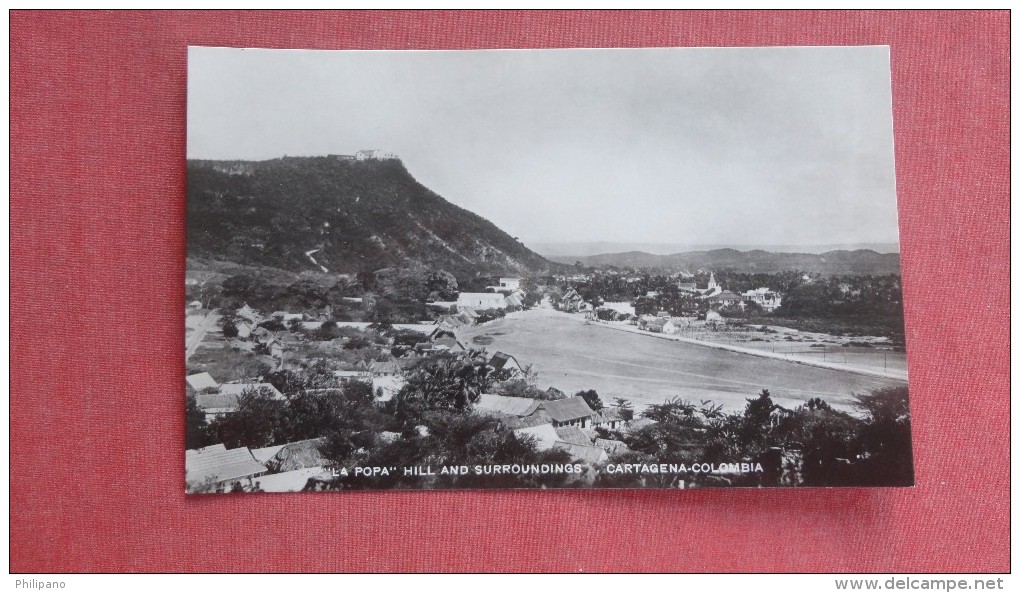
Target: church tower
712, 284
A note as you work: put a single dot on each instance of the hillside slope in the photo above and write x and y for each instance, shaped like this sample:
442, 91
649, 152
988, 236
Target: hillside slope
299, 213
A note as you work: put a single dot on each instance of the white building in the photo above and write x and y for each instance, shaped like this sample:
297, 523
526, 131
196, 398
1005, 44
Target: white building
481, 300
510, 283
768, 300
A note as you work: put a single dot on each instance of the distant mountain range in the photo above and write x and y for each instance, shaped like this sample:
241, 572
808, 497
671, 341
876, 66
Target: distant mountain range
350, 214
577, 249
340, 214
860, 261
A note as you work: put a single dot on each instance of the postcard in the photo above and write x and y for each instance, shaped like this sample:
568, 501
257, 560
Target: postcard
569, 268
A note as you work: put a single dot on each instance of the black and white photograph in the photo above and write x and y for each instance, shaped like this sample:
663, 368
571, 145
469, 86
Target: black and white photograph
571, 268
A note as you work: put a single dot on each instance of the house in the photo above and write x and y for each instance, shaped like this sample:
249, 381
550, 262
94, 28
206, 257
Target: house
503, 361
768, 300
584, 453
544, 434
358, 374
511, 406
661, 325
244, 329
275, 347
571, 301
286, 317
195, 306
292, 481
572, 434
607, 418
448, 344
239, 388
481, 300
725, 299
374, 154
250, 315
620, 307
262, 335
569, 411
713, 317
264, 454
384, 368
442, 306
513, 301
201, 381
215, 405
441, 332
510, 283
217, 468
298, 455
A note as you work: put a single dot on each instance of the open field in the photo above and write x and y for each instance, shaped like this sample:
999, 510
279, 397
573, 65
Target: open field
571, 356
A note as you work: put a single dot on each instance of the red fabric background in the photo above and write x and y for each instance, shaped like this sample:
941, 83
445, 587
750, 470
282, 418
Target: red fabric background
97, 264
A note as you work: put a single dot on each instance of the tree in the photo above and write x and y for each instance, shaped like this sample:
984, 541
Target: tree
756, 425
884, 437
229, 330
625, 407
196, 430
591, 397
450, 382
441, 285
327, 331
259, 421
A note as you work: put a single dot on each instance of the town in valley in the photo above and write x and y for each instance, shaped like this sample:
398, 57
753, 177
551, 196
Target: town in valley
300, 380
616, 268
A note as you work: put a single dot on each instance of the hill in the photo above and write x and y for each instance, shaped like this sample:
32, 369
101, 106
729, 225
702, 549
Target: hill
342, 215
859, 261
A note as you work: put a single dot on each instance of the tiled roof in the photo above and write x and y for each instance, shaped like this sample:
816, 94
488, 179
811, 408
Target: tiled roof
500, 360
292, 481
572, 434
239, 388
544, 434
583, 453
298, 455
512, 406
201, 381
211, 466
565, 410
216, 401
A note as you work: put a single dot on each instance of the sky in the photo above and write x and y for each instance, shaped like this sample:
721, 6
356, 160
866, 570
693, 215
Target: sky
742, 146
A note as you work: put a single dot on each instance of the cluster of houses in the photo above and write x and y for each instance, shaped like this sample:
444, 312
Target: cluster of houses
216, 399
283, 468
506, 295
716, 296
565, 424
249, 328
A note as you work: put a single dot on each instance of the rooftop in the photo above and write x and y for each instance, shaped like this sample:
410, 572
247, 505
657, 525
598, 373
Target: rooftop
565, 410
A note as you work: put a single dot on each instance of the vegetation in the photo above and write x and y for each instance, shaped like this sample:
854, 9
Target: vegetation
811, 445
360, 215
